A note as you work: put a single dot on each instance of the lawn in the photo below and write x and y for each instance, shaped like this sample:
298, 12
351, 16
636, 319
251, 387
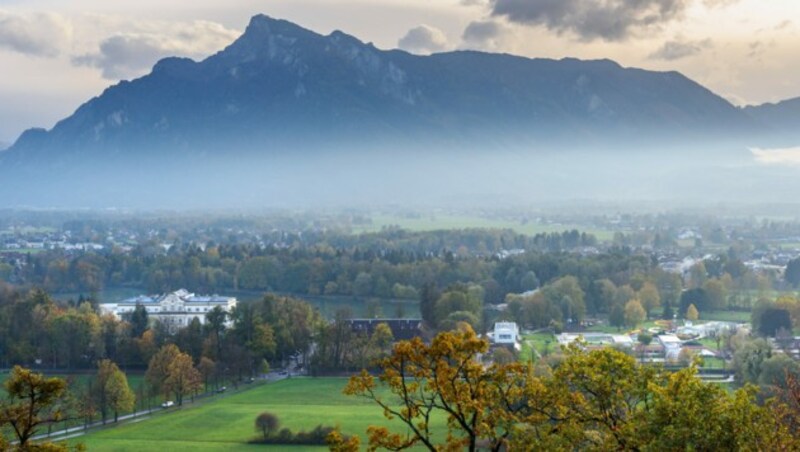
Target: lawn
726, 316
542, 343
227, 423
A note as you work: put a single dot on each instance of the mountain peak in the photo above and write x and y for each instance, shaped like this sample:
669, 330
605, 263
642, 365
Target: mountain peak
261, 26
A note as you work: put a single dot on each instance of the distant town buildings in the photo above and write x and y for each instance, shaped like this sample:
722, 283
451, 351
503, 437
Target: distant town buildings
176, 309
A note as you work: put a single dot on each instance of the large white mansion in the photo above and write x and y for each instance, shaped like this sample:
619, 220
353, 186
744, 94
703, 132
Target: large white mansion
176, 309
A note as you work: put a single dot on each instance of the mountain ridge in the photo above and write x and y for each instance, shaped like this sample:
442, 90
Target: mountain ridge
355, 86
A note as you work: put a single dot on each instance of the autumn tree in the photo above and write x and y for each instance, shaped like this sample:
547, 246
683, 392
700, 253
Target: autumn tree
691, 313
171, 372
443, 378
110, 390
33, 401
119, 395
634, 313
182, 378
596, 400
649, 297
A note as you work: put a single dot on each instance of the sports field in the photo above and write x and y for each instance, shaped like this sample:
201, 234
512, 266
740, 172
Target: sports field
228, 423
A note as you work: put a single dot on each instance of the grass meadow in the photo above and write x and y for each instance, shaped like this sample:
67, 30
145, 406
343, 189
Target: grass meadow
227, 423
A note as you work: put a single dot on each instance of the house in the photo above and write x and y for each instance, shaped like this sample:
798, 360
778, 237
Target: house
402, 329
505, 333
176, 309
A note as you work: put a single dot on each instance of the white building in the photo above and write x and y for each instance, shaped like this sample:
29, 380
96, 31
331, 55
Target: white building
176, 309
505, 333
596, 339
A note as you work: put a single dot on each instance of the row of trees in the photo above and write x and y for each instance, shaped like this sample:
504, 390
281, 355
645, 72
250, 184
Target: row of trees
34, 401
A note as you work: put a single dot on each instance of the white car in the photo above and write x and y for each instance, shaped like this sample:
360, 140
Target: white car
168, 404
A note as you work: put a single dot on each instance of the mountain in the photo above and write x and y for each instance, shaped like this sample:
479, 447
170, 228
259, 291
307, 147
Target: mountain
283, 111
782, 117
282, 84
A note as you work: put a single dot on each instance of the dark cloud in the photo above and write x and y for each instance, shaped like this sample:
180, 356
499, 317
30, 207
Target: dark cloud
423, 39
611, 20
484, 35
40, 35
677, 49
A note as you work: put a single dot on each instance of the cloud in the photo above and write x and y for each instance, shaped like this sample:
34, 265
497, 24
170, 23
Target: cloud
677, 49
787, 156
719, 3
610, 20
484, 35
131, 54
36, 34
423, 39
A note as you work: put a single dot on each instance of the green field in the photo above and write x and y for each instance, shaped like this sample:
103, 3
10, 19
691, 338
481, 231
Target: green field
726, 316
227, 423
541, 343
447, 222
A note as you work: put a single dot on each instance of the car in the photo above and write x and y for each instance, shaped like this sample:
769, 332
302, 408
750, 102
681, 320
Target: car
168, 404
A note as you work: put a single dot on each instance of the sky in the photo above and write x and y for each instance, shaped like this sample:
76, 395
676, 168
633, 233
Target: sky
56, 54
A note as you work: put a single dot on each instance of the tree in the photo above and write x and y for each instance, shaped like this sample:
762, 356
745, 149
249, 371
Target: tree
698, 275
792, 273
111, 391
649, 297
775, 370
697, 297
717, 294
182, 379
120, 397
427, 303
634, 313
170, 372
456, 299
773, 320
267, 423
158, 369
207, 369
442, 377
617, 316
139, 320
692, 314
32, 402
749, 358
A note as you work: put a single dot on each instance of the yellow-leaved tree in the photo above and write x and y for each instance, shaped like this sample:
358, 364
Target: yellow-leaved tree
592, 400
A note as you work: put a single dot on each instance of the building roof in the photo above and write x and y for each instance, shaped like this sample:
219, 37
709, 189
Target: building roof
183, 294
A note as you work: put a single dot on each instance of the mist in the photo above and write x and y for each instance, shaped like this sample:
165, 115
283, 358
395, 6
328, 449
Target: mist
420, 177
